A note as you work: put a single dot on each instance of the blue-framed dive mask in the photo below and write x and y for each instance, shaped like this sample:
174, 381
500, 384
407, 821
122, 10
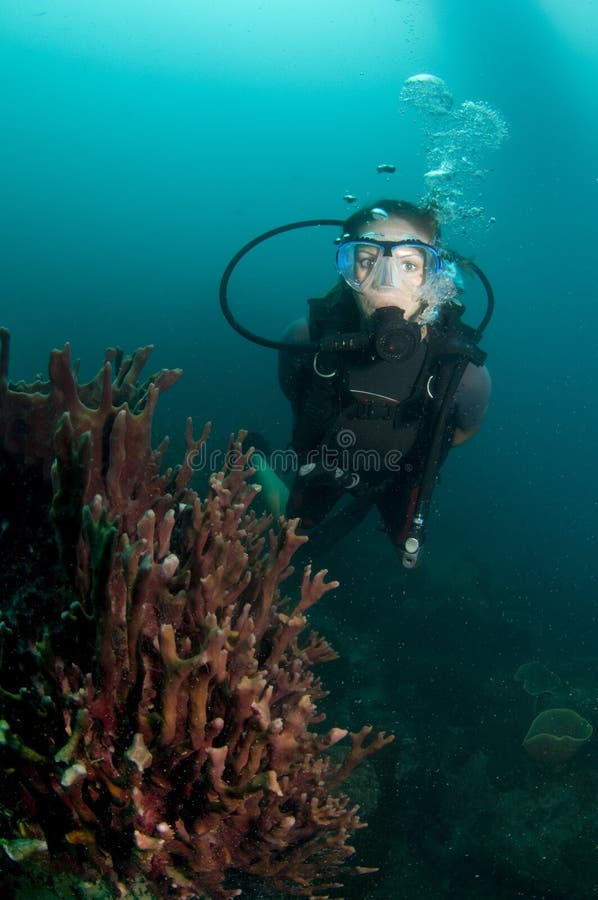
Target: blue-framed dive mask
367, 263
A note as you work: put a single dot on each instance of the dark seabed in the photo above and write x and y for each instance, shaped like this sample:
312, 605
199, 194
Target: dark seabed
143, 144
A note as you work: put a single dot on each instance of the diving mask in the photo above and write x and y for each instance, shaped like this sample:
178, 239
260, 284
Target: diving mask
366, 263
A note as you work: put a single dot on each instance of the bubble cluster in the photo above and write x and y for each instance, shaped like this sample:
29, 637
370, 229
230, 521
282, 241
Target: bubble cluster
459, 141
427, 93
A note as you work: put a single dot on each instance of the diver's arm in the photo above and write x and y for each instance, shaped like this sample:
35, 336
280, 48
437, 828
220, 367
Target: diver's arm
292, 365
291, 376
471, 403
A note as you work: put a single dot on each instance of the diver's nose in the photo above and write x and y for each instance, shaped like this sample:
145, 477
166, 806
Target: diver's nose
389, 273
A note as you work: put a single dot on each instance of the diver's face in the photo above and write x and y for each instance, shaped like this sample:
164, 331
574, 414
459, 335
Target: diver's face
402, 289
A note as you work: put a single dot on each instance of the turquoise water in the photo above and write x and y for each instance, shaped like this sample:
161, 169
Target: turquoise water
144, 143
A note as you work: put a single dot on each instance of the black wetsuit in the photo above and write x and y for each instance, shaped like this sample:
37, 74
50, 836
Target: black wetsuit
365, 431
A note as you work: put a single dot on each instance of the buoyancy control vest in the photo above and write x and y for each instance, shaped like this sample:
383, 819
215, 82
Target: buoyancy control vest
369, 415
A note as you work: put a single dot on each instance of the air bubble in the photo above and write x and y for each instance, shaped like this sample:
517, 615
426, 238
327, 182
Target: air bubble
459, 141
428, 93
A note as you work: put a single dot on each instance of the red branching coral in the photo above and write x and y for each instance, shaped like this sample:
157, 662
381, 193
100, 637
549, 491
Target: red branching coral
165, 725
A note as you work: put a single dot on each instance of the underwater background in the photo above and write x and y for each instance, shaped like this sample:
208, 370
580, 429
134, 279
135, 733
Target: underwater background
144, 143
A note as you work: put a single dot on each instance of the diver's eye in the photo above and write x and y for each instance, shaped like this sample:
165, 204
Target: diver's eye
365, 262
411, 264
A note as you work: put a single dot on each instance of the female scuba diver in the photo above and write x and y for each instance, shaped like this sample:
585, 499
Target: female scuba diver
383, 379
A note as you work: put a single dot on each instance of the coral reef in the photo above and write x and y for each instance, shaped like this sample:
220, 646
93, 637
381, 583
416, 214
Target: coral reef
157, 693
